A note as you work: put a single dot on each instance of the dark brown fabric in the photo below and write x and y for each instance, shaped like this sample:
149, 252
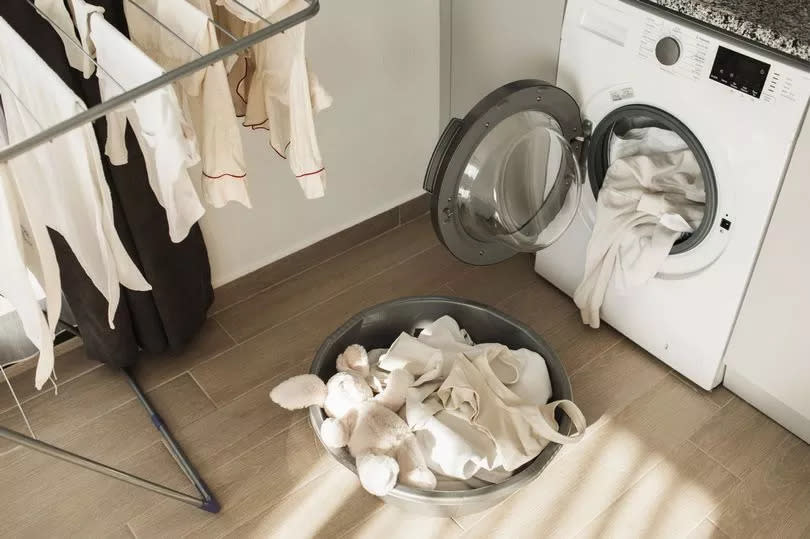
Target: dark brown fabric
166, 318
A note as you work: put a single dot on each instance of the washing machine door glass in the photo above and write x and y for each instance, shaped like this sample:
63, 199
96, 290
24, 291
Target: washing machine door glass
506, 179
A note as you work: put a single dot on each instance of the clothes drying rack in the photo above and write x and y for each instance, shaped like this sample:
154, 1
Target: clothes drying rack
206, 500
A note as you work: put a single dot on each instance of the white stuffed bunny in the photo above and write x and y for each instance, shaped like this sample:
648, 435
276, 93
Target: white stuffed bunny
384, 448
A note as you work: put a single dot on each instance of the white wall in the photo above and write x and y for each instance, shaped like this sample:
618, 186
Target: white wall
498, 41
380, 62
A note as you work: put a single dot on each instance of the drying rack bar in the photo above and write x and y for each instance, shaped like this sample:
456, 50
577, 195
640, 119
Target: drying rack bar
206, 500
102, 109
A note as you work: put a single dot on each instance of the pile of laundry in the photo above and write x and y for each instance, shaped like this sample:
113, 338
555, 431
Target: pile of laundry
435, 411
653, 195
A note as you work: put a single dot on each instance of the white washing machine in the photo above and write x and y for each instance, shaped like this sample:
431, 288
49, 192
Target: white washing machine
521, 171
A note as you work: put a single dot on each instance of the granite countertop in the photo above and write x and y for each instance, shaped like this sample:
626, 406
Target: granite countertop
782, 25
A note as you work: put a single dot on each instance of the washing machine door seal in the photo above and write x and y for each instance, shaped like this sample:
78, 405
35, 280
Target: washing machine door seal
507, 178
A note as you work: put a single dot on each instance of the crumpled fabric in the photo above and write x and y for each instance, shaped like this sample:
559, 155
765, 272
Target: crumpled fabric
479, 412
652, 194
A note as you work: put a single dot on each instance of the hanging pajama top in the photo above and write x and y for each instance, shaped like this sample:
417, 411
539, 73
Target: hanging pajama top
283, 96
205, 94
61, 184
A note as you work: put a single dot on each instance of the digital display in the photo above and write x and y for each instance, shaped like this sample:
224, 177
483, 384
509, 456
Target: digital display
739, 71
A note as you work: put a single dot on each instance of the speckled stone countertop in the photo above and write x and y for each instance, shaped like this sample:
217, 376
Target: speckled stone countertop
782, 25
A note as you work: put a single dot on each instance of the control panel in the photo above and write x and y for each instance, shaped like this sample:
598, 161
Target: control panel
694, 55
740, 72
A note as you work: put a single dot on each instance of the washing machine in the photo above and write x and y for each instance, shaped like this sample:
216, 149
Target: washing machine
521, 172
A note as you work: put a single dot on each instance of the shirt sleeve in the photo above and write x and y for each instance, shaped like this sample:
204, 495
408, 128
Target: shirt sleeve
304, 153
116, 145
223, 161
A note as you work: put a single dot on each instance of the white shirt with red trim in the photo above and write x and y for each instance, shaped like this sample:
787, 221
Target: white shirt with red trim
205, 95
283, 95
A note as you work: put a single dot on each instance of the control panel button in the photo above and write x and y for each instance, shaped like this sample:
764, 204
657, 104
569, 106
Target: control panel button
668, 51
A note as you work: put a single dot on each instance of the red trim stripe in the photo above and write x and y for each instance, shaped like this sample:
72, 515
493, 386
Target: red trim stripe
278, 152
259, 125
238, 84
311, 173
225, 174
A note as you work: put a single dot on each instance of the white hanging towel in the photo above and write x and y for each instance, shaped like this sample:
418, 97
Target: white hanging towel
283, 95
61, 184
653, 192
205, 95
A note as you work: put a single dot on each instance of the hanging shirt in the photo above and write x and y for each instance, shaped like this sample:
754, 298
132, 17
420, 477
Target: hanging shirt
205, 94
60, 184
283, 96
157, 122
21, 259
59, 18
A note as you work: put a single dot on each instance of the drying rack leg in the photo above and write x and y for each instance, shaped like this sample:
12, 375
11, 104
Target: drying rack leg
206, 502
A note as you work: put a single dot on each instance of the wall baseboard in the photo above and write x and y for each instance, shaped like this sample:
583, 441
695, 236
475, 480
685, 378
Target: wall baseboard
254, 282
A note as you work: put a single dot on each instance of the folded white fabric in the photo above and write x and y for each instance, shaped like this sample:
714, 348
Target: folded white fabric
652, 193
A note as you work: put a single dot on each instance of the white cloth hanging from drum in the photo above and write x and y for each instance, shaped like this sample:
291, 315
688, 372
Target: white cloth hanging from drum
653, 193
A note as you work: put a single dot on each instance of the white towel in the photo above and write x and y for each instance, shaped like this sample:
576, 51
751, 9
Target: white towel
653, 193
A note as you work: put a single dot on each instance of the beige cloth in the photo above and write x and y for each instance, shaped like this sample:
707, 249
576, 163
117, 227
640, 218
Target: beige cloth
280, 92
205, 95
478, 411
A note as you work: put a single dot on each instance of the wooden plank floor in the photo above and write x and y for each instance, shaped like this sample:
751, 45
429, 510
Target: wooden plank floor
662, 458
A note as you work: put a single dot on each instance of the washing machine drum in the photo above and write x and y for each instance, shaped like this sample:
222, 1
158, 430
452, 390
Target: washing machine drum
506, 179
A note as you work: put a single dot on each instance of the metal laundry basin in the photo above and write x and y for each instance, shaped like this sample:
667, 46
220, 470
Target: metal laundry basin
378, 326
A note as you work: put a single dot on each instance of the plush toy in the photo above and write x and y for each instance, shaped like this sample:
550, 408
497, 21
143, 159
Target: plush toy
384, 448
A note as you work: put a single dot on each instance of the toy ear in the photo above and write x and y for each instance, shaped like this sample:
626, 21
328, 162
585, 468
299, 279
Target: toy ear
299, 392
353, 359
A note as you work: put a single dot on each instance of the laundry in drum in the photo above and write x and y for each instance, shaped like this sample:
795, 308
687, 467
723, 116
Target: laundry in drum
650, 201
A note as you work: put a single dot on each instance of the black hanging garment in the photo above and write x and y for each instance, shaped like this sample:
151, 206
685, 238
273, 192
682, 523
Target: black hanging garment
167, 317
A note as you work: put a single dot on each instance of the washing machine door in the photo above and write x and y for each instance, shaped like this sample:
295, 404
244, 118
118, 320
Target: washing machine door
507, 178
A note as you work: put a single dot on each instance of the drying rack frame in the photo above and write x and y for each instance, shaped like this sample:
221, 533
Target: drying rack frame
206, 501
96, 112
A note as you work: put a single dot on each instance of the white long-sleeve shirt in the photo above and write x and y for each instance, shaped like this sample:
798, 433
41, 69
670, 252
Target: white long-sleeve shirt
283, 96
